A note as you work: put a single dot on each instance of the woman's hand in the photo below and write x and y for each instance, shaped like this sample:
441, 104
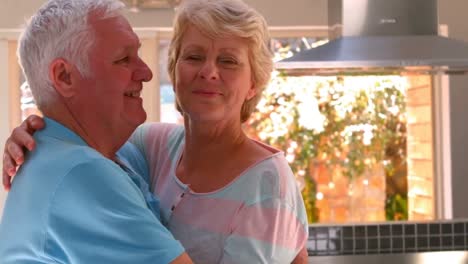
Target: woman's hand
16, 146
302, 257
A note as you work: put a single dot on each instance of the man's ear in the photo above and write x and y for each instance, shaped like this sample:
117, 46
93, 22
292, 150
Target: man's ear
61, 73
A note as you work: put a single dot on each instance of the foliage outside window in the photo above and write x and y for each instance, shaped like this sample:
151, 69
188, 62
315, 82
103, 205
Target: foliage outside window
350, 124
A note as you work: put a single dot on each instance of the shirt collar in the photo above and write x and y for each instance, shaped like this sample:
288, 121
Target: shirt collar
57, 130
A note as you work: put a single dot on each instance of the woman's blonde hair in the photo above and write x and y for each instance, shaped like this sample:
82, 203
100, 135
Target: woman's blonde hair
222, 18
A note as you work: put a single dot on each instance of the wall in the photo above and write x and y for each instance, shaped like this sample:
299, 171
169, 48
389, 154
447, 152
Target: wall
4, 109
453, 13
420, 148
299, 12
305, 12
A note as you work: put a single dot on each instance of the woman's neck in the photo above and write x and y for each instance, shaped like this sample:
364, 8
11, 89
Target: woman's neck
207, 142
214, 155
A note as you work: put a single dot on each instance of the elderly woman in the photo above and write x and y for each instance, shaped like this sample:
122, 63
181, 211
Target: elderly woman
226, 197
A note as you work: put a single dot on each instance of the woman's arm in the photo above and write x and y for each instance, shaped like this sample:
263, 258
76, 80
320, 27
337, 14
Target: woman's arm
16, 146
301, 258
270, 231
271, 226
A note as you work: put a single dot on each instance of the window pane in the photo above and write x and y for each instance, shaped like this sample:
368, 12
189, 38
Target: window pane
287, 47
28, 105
169, 113
356, 144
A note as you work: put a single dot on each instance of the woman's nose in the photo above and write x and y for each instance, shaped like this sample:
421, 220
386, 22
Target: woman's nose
209, 71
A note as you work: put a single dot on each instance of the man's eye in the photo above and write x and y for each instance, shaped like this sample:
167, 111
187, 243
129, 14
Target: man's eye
125, 59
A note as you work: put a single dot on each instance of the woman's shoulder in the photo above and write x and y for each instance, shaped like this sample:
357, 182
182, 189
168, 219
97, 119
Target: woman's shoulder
158, 128
154, 138
273, 183
158, 132
270, 178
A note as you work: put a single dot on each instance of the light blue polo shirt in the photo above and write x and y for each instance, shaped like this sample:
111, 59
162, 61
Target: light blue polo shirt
69, 204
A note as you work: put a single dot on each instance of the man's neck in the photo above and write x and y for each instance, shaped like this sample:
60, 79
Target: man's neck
94, 137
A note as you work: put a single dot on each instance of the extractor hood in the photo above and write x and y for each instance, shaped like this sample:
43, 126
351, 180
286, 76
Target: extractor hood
381, 37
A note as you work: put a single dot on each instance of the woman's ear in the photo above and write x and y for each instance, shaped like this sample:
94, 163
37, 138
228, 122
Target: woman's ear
252, 92
61, 73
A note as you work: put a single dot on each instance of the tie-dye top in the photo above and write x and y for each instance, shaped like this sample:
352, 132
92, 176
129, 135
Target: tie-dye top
257, 218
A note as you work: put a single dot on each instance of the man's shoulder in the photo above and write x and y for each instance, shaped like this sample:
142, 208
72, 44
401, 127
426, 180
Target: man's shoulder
94, 201
55, 162
55, 175
57, 154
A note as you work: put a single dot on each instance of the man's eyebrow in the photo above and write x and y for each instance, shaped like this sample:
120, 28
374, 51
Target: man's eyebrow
128, 48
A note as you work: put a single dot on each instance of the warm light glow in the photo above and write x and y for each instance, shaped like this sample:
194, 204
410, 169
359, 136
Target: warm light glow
290, 158
421, 211
294, 144
417, 191
319, 196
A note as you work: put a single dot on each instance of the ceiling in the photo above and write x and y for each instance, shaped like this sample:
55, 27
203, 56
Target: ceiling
136, 5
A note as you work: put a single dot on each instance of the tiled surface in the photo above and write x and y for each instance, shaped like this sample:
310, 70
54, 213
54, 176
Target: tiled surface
387, 238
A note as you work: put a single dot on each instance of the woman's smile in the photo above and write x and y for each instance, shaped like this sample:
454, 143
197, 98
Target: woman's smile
207, 93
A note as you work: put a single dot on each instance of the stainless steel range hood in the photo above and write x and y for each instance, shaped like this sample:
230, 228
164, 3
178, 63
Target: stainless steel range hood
381, 37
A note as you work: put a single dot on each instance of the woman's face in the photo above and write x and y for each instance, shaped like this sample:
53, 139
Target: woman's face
213, 77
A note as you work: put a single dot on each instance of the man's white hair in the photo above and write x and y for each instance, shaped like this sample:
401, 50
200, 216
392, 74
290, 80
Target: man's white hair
60, 29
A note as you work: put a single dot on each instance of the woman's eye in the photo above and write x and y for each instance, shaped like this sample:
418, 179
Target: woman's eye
194, 57
228, 61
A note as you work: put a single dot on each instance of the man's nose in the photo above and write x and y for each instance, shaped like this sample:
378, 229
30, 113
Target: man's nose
142, 72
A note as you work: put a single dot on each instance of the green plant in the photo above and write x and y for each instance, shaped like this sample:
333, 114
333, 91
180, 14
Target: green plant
396, 207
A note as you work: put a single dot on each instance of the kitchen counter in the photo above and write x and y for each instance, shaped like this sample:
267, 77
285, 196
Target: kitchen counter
441, 257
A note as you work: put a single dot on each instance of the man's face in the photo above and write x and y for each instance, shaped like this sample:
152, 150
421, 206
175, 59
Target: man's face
110, 99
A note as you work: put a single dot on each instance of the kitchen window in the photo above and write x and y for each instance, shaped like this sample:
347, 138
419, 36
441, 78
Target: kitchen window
384, 162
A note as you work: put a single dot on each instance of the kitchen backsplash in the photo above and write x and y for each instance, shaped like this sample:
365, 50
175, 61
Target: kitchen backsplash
392, 237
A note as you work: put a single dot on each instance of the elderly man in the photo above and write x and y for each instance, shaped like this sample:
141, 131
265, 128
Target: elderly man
77, 200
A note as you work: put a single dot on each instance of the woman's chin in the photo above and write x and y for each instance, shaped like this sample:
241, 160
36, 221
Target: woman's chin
206, 117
